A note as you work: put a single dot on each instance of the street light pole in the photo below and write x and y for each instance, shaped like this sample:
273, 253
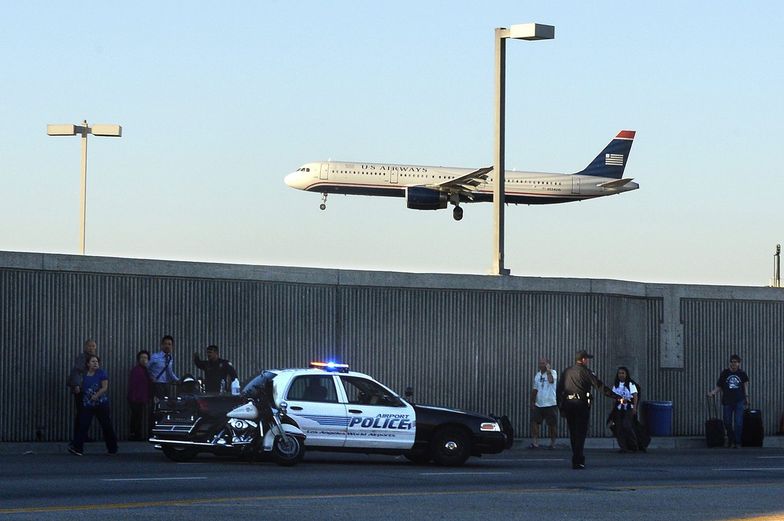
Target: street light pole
499, 166
83, 191
84, 129
530, 31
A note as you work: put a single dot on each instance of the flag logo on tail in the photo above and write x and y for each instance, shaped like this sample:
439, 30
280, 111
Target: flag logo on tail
613, 159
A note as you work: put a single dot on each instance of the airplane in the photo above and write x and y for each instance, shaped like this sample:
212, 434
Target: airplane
435, 187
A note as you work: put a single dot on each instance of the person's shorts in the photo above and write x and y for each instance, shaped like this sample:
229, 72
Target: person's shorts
547, 415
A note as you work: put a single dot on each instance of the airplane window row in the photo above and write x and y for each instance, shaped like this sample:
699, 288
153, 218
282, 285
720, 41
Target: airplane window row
537, 182
518, 181
385, 173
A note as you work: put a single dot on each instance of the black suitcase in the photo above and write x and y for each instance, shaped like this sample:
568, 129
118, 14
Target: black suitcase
753, 431
643, 437
714, 427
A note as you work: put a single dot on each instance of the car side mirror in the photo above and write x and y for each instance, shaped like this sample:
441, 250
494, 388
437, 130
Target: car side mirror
409, 393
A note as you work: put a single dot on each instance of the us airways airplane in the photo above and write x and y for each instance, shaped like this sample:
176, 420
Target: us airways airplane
435, 187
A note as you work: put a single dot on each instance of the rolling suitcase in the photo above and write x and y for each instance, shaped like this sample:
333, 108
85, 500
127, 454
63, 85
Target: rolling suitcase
643, 437
714, 427
753, 432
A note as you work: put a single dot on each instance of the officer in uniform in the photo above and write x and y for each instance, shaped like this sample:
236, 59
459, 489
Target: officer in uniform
218, 373
574, 400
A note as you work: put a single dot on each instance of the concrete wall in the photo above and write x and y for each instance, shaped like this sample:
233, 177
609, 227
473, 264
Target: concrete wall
460, 340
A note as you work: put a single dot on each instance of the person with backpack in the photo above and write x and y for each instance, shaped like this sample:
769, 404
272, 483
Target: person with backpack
624, 412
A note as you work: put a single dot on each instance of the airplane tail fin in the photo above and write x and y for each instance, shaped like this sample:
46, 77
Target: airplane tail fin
611, 162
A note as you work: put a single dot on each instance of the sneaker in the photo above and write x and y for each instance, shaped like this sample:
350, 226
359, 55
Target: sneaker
578, 466
73, 450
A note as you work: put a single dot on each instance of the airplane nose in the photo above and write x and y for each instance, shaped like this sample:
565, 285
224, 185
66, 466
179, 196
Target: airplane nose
291, 179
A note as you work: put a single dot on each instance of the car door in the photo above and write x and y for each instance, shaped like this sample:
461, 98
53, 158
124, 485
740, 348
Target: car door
314, 405
377, 418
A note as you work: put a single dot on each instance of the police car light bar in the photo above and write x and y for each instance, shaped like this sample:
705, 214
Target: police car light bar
330, 366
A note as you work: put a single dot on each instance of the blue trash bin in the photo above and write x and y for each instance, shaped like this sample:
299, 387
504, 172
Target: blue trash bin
658, 417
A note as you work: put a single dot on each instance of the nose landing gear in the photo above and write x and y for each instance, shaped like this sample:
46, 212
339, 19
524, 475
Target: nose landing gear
323, 204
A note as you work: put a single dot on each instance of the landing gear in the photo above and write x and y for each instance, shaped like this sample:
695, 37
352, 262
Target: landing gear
323, 204
457, 213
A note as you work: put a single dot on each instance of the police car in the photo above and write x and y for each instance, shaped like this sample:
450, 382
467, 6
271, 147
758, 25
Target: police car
342, 410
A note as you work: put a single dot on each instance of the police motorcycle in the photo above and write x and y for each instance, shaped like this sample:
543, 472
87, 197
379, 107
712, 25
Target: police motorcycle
245, 425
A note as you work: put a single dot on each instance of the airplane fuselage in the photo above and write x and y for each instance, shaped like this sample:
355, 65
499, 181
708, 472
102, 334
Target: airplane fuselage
391, 180
436, 187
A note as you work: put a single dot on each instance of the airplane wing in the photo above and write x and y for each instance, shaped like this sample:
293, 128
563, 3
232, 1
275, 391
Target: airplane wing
464, 185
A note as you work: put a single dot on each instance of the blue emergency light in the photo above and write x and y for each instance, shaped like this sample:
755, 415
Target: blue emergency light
332, 367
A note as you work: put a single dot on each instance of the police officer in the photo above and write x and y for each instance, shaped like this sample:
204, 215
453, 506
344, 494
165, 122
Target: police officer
574, 400
218, 373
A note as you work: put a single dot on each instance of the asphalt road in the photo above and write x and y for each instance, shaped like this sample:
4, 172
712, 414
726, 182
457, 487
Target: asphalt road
693, 484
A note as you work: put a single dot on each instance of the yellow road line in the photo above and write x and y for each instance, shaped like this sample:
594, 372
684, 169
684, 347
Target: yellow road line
189, 502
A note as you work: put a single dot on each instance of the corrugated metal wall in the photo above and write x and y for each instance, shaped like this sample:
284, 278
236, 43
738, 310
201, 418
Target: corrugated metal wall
46, 316
470, 347
713, 330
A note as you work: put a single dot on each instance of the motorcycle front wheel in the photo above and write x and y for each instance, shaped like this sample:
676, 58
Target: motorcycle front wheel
288, 450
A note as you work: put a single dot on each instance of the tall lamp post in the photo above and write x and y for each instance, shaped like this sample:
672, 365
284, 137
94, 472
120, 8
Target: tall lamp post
530, 31
84, 130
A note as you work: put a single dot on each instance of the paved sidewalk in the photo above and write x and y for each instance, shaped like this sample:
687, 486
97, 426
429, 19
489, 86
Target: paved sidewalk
663, 443
139, 447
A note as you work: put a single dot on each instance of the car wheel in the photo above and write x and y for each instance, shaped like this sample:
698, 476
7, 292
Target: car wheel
450, 447
179, 454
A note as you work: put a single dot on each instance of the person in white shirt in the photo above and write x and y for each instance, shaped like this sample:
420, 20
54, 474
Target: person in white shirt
544, 406
625, 411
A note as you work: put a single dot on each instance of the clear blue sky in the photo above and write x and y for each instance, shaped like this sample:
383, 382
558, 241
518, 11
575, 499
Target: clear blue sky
218, 101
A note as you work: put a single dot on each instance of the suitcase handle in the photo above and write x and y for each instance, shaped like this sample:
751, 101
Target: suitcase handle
712, 407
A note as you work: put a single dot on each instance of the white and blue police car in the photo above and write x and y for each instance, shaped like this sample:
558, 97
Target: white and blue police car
343, 410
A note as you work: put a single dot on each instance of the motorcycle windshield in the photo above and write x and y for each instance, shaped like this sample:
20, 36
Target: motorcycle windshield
261, 386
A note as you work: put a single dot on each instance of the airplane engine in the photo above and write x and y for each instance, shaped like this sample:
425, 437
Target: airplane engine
420, 198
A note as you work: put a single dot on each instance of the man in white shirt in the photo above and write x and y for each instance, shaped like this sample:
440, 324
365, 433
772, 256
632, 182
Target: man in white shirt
544, 407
